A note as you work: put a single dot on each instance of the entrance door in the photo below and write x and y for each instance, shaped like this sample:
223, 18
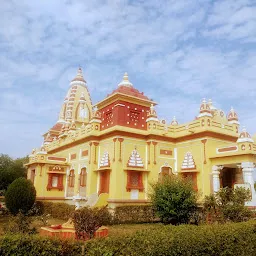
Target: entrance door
228, 177
104, 182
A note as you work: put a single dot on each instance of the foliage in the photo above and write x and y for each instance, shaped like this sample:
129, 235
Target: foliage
10, 170
33, 245
56, 210
19, 224
236, 239
206, 240
174, 199
88, 220
228, 205
134, 214
20, 196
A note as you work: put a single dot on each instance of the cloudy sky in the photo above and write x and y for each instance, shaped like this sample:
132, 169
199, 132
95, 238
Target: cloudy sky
176, 52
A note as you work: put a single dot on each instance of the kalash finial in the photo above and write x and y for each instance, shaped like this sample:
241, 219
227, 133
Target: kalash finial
125, 81
79, 76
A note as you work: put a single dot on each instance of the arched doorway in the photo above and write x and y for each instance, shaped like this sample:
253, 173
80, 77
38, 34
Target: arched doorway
164, 172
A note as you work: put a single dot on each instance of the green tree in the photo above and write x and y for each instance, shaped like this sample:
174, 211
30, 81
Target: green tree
20, 196
174, 199
10, 170
228, 205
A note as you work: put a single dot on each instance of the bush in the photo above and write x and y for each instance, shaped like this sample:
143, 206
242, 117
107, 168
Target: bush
56, 210
20, 196
88, 220
237, 239
174, 199
134, 214
19, 224
228, 205
33, 245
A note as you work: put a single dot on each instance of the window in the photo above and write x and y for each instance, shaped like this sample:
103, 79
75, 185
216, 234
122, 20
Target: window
165, 171
55, 181
134, 181
71, 178
83, 176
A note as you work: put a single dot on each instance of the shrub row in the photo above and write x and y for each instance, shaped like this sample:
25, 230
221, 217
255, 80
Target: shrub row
56, 210
134, 214
237, 239
33, 245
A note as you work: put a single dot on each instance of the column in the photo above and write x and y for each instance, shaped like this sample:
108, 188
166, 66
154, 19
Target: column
216, 178
248, 168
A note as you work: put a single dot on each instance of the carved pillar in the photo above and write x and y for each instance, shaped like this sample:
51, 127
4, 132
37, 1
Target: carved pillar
149, 143
154, 143
204, 142
120, 149
90, 153
114, 158
248, 169
216, 177
95, 152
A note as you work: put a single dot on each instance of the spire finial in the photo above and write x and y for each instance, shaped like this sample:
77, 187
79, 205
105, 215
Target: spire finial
125, 81
79, 76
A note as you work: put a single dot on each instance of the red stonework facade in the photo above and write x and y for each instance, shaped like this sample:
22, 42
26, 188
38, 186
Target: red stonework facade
124, 114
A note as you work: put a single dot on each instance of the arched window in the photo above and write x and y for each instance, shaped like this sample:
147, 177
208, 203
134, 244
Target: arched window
83, 176
71, 178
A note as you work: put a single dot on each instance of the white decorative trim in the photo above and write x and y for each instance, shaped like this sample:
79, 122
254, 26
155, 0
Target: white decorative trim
233, 122
152, 119
95, 121
245, 140
121, 105
78, 83
204, 114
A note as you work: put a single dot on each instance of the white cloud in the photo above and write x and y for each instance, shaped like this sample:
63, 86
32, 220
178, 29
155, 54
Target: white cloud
177, 52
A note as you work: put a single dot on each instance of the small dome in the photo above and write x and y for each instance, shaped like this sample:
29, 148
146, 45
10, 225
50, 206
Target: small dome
244, 136
125, 81
174, 121
232, 115
79, 76
205, 108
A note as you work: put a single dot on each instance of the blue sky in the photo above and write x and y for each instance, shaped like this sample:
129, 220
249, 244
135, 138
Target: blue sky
176, 52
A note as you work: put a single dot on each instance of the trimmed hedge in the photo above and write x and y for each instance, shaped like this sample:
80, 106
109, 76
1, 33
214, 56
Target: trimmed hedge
56, 210
237, 239
33, 245
134, 214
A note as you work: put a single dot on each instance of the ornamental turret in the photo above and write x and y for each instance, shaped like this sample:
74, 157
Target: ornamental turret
205, 109
174, 122
244, 136
232, 117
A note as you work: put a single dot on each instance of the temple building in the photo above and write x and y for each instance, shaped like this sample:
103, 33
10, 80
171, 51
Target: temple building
110, 152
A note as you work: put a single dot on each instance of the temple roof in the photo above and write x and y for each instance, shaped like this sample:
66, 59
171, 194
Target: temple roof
126, 87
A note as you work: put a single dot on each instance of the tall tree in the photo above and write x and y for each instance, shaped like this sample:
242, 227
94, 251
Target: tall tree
10, 170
